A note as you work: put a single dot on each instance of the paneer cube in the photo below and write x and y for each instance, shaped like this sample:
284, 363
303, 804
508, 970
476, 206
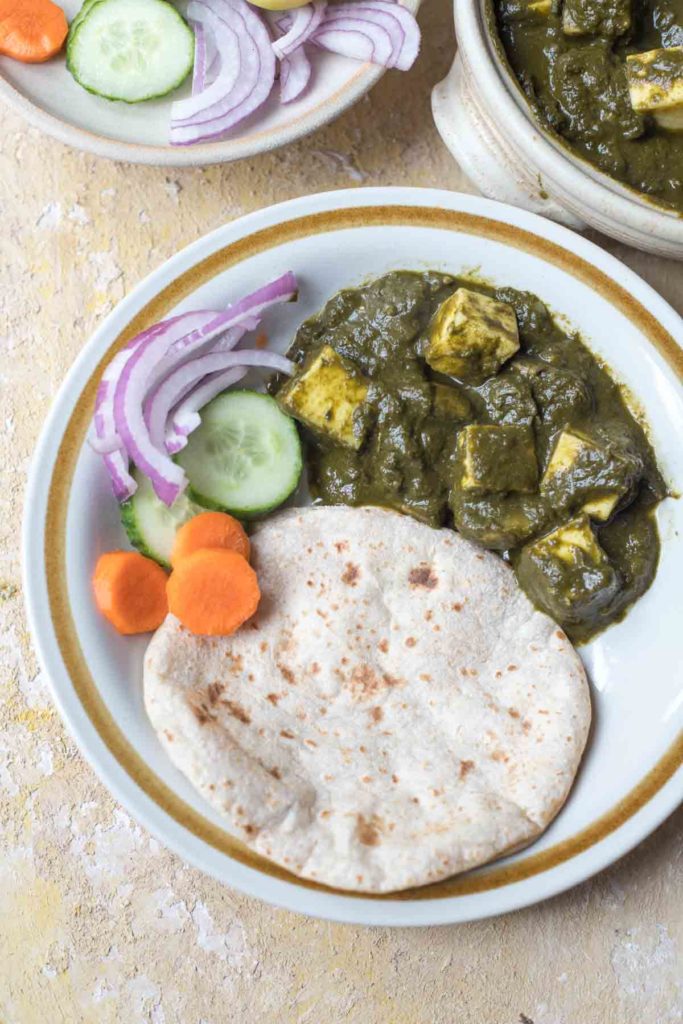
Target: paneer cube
494, 460
583, 473
471, 336
601, 509
450, 403
329, 396
607, 18
567, 573
655, 85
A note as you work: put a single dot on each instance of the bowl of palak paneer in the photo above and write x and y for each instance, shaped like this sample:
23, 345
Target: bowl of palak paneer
606, 77
573, 108
467, 405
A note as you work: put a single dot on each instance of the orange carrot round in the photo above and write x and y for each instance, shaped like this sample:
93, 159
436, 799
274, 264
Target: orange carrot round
31, 30
210, 530
213, 591
130, 591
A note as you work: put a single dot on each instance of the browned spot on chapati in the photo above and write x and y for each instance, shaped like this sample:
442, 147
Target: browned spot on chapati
383, 646
513, 712
341, 545
429, 615
263, 646
394, 778
364, 681
512, 668
250, 830
315, 668
456, 606
500, 756
237, 711
367, 831
351, 574
311, 743
286, 673
376, 714
526, 726
275, 772
411, 641
202, 713
465, 768
168, 735
213, 692
286, 734
273, 697
423, 576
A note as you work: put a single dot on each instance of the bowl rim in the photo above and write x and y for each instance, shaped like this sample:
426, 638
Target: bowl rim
361, 78
663, 783
588, 186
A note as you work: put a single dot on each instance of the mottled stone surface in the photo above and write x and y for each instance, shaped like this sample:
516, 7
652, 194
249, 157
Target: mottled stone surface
98, 924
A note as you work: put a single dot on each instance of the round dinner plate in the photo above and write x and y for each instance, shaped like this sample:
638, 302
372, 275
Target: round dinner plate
49, 98
632, 775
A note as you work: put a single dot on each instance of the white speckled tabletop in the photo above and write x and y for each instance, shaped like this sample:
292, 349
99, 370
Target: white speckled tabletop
98, 923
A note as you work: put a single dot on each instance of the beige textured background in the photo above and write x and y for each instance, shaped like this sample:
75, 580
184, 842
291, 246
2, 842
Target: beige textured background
98, 924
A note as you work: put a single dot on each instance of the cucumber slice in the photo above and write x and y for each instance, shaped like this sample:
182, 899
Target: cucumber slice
81, 15
151, 526
245, 458
130, 50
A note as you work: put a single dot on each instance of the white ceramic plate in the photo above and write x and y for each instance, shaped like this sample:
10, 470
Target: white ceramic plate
49, 98
631, 778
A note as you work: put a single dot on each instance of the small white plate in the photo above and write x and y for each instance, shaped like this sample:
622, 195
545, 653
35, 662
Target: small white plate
631, 778
49, 98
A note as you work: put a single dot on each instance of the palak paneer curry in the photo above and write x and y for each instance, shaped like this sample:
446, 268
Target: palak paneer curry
607, 77
466, 405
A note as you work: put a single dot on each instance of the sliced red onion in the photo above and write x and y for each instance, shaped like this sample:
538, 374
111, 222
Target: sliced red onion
200, 59
375, 20
295, 74
185, 417
174, 388
353, 37
304, 23
115, 460
226, 42
174, 329
244, 82
155, 354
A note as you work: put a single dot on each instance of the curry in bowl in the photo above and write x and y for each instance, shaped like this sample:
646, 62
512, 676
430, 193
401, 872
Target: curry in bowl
468, 405
605, 77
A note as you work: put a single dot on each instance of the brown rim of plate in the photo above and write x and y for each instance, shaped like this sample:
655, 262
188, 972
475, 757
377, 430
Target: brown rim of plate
71, 444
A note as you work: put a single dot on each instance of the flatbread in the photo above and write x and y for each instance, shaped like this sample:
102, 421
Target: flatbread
396, 712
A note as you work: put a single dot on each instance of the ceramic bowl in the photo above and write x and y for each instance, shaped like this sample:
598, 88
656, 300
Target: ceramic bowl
486, 123
48, 97
631, 776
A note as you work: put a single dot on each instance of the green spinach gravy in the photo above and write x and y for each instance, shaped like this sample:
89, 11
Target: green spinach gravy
529, 449
577, 82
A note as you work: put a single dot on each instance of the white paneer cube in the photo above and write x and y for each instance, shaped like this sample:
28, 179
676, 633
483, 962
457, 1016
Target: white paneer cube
655, 85
471, 336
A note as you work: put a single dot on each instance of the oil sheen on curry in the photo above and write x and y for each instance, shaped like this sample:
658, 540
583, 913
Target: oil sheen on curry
468, 406
606, 76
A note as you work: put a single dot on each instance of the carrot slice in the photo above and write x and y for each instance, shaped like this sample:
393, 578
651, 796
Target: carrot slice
210, 530
213, 591
31, 30
130, 591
